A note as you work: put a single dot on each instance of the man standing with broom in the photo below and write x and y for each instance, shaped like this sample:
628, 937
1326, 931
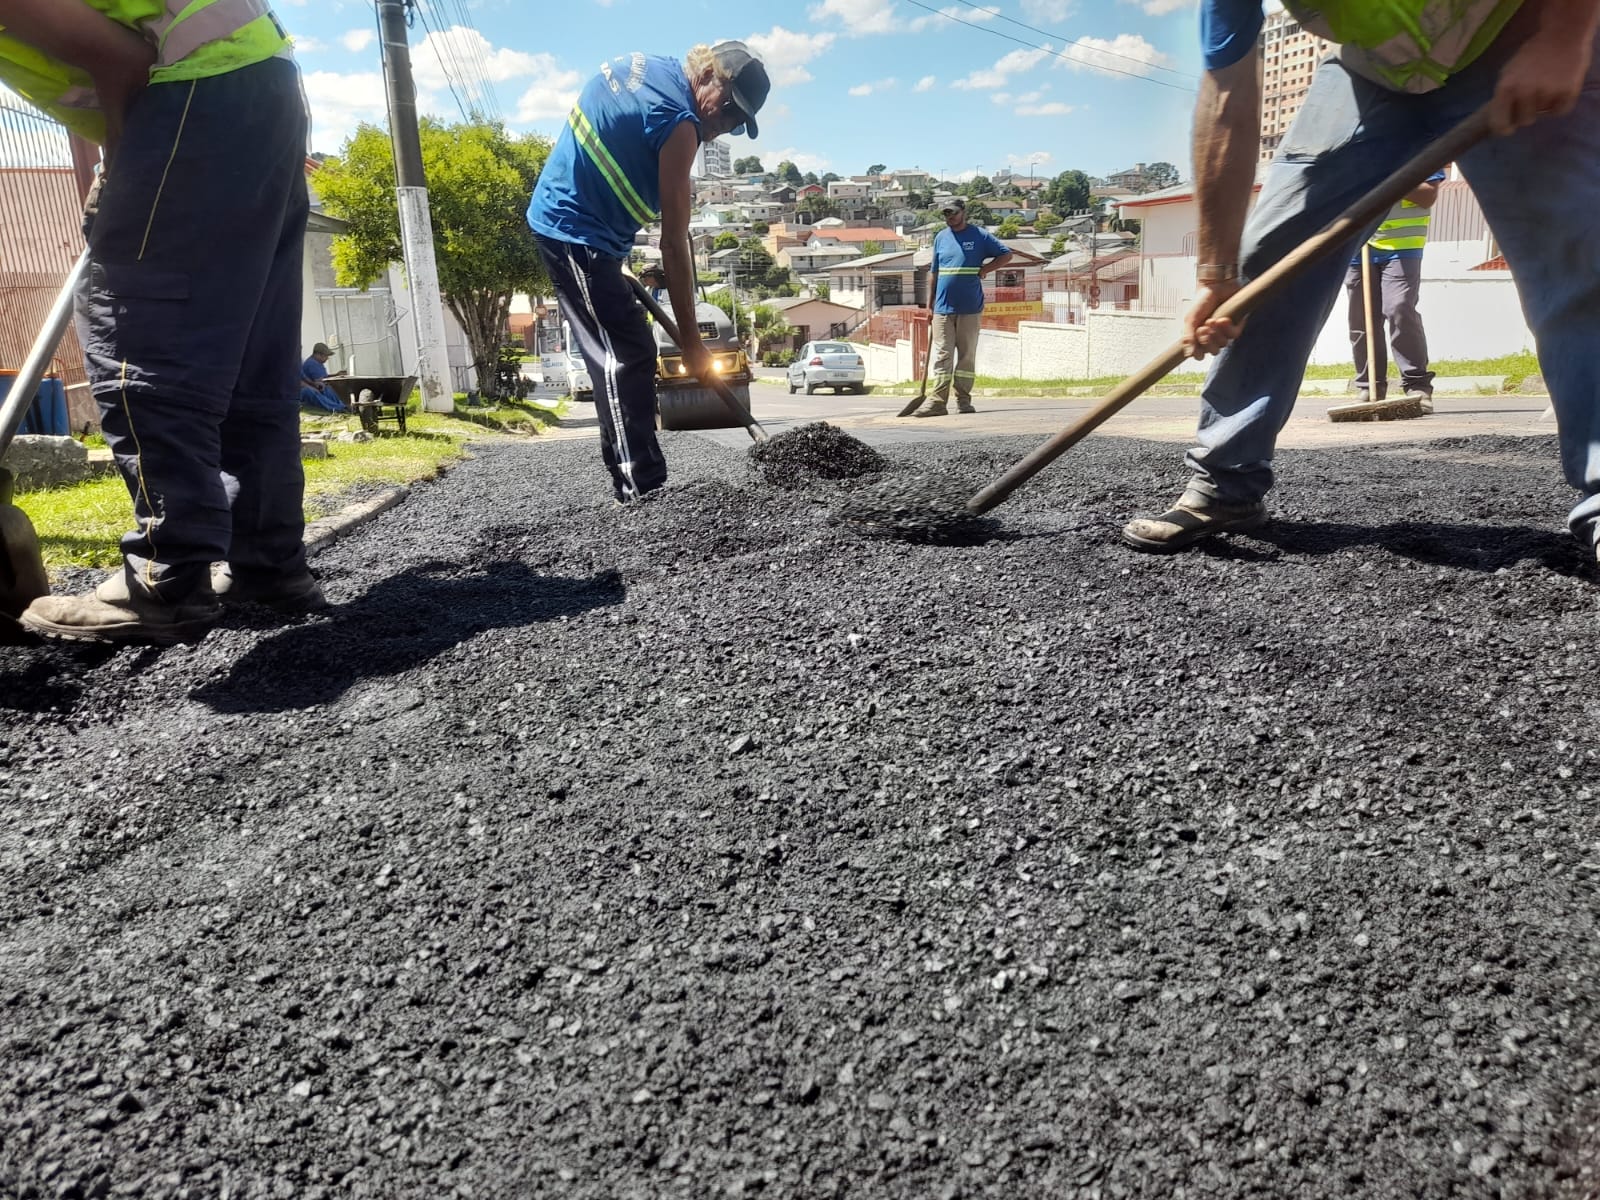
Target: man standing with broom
1406, 72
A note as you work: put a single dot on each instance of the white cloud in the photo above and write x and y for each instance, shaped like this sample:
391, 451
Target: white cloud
800, 158
972, 16
1006, 66
308, 45
859, 16
357, 40
1053, 109
1124, 54
1160, 8
786, 53
1038, 158
877, 85
926, 83
1002, 97
340, 102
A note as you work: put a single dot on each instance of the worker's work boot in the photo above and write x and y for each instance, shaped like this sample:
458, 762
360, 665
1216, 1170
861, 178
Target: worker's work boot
965, 406
1424, 400
111, 614
1194, 517
296, 593
934, 410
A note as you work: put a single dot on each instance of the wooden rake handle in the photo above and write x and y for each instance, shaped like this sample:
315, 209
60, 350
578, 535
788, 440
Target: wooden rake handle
724, 393
1353, 221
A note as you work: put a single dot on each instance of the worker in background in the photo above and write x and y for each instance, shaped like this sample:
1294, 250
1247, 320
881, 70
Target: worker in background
963, 254
623, 160
1380, 100
1394, 259
315, 395
190, 317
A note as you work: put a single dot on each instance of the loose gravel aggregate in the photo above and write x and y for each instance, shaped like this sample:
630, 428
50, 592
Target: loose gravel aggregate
705, 848
796, 457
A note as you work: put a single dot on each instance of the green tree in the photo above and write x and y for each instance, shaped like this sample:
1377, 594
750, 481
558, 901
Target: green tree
821, 290
1160, 175
750, 165
817, 207
479, 180
1045, 220
877, 169
740, 316
790, 174
760, 228
768, 325
1009, 228
810, 177
1058, 245
830, 177
978, 185
870, 247
1068, 192
979, 213
726, 241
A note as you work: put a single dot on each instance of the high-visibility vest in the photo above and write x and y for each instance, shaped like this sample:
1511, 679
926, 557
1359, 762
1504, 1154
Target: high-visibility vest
1405, 228
193, 39
1406, 45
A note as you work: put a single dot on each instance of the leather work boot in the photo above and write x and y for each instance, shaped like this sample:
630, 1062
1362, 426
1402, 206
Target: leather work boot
297, 593
1195, 516
1424, 400
965, 407
933, 410
111, 614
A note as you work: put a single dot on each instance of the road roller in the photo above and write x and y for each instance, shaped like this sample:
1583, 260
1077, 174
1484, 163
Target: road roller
681, 402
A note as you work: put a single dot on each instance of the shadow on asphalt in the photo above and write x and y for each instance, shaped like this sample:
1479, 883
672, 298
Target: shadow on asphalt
402, 623
1469, 547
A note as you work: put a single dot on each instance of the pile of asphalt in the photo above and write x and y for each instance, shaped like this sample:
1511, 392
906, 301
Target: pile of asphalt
705, 848
798, 456
916, 508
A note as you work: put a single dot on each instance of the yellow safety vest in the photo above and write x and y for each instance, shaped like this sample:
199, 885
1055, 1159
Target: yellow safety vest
193, 39
1406, 45
1405, 228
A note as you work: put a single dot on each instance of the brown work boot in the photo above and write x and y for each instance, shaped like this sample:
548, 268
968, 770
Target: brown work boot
934, 410
291, 594
965, 406
111, 614
1195, 516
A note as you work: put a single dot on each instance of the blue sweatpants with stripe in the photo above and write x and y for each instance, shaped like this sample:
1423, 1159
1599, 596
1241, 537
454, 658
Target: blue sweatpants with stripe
609, 326
190, 323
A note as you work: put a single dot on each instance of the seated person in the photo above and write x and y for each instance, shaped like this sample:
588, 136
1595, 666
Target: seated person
655, 279
315, 395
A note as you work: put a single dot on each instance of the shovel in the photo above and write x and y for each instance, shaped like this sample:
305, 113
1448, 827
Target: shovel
922, 388
1341, 231
724, 393
22, 575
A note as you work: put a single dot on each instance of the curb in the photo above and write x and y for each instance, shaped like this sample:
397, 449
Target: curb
322, 533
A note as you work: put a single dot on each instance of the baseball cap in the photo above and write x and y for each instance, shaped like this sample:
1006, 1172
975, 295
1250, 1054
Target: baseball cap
321, 348
748, 85
956, 205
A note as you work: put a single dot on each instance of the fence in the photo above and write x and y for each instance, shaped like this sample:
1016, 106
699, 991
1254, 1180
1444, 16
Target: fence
41, 236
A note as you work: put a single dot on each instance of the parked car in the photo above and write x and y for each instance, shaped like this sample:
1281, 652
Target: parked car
836, 365
579, 386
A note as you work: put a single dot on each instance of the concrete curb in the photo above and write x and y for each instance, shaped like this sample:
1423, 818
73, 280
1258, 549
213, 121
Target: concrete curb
322, 533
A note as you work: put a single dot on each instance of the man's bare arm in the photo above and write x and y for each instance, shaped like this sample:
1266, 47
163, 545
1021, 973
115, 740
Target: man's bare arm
677, 260
1227, 140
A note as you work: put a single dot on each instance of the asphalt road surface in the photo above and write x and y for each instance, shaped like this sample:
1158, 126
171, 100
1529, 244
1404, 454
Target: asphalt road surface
708, 848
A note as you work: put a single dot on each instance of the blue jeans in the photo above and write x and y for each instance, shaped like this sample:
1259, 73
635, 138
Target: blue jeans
1539, 189
321, 400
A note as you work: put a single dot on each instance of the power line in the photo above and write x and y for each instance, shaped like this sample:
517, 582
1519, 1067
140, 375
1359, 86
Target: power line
1084, 43
1060, 54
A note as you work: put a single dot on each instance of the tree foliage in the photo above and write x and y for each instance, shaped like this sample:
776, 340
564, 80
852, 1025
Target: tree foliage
1160, 175
979, 214
877, 169
790, 174
871, 247
978, 185
726, 241
480, 178
1009, 228
1068, 192
750, 165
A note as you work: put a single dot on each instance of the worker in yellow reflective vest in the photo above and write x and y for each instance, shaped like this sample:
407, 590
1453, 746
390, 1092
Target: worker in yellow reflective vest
190, 315
1394, 259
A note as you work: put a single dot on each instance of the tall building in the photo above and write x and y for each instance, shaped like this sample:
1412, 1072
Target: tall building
713, 160
1289, 55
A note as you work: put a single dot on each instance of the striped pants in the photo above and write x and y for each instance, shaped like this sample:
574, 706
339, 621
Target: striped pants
955, 355
609, 326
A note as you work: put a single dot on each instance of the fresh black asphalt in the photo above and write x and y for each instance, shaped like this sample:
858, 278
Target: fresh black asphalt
707, 848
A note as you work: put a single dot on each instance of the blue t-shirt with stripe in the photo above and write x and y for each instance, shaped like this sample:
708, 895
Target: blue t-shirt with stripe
956, 259
602, 181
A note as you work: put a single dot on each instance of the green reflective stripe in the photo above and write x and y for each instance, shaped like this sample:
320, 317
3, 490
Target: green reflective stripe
1404, 223
591, 144
1402, 233
958, 270
1409, 243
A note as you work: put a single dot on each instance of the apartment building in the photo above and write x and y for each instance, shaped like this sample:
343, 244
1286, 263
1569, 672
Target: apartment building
1289, 56
714, 160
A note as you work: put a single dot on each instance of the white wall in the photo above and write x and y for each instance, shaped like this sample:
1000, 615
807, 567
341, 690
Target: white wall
1000, 354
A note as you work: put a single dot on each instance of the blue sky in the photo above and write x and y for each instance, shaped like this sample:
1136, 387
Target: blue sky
1094, 84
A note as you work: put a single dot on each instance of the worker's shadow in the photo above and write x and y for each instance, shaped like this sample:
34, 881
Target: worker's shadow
1485, 548
400, 624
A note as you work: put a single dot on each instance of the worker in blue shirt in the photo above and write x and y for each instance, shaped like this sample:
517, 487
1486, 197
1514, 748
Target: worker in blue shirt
1405, 72
962, 255
315, 395
1393, 274
622, 161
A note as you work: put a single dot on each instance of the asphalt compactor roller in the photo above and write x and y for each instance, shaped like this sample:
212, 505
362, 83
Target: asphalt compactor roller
681, 402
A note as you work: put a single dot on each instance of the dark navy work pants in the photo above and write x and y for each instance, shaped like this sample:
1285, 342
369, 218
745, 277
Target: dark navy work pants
190, 323
612, 335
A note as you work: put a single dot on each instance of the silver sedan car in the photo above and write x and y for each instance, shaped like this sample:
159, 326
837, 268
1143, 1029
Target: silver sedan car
836, 365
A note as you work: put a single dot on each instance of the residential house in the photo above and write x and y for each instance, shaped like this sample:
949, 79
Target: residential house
816, 256
912, 181
813, 318
881, 280
858, 235
714, 192
810, 189
760, 210
848, 190
1102, 272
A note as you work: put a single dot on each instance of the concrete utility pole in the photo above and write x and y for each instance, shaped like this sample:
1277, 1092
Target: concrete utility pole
416, 225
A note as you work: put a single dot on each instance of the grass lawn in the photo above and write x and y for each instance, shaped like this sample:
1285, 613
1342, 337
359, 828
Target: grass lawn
79, 525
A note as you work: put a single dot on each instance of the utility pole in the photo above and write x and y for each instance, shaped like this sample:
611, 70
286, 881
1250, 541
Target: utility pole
416, 224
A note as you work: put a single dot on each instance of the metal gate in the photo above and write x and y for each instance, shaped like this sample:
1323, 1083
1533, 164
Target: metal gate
362, 330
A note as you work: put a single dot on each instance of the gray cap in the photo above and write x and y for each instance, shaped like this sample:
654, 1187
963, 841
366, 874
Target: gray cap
956, 205
749, 83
